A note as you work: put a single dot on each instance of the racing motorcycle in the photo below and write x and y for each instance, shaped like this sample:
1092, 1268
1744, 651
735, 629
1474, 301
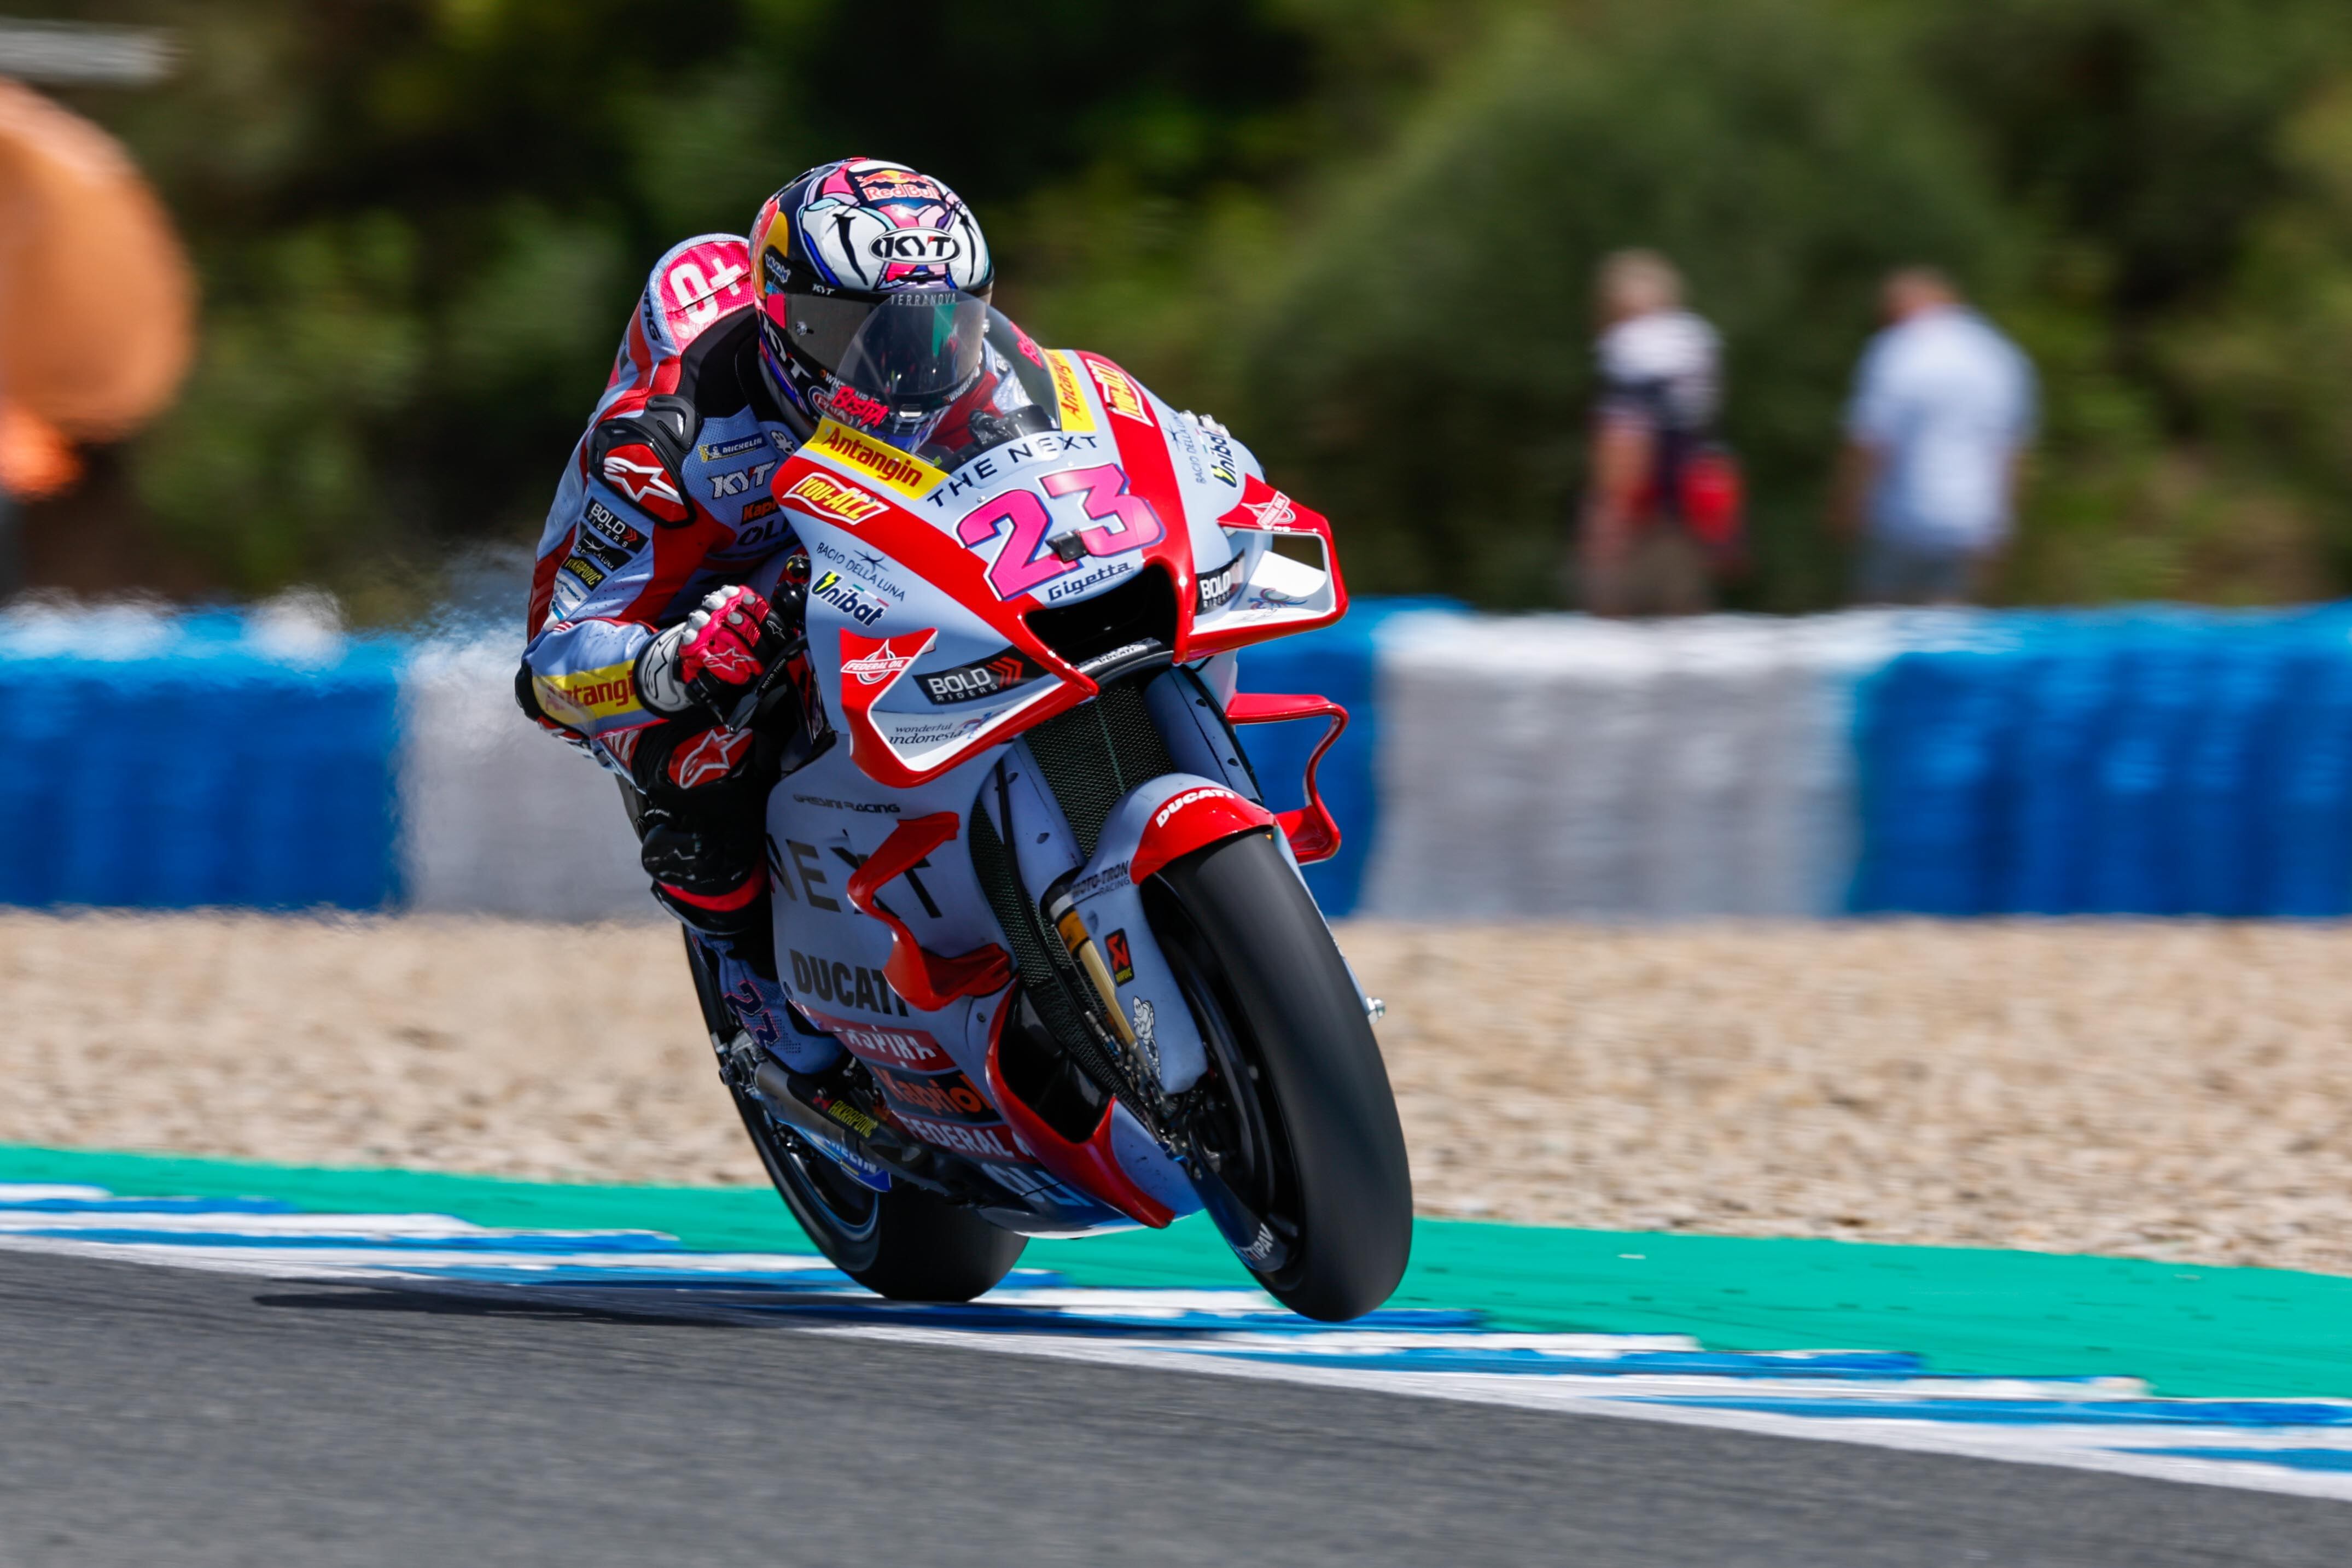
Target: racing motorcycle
1023, 872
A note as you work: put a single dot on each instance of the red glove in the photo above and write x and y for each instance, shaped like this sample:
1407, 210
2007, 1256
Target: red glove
711, 660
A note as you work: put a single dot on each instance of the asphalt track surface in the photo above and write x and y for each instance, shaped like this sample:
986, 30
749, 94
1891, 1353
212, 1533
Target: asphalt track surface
163, 1416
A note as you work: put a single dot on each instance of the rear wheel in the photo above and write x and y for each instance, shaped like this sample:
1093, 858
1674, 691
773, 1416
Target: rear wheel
906, 1244
1295, 1112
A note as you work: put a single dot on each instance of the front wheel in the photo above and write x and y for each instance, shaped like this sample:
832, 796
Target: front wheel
1295, 1113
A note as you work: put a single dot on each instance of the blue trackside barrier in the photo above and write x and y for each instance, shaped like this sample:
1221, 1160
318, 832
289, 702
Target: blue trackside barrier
213, 761
2149, 761
2153, 760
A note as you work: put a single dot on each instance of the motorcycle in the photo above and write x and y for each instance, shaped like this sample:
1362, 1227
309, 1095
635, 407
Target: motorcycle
1022, 870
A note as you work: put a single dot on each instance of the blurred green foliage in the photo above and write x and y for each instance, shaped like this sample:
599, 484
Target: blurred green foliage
1363, 231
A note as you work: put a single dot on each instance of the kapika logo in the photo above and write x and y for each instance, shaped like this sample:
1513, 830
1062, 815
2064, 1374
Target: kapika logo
1120, 395
1216, 588
1190, 798
970, 683
881, 663
836, 499
740, 481
921, 247
843, 595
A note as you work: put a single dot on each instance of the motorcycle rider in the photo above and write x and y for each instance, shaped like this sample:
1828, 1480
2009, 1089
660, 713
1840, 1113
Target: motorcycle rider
669, 582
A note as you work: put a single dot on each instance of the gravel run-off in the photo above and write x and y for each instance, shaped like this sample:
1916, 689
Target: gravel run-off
2177, 1091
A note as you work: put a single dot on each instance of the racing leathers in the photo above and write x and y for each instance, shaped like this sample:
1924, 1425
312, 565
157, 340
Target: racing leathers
665, 509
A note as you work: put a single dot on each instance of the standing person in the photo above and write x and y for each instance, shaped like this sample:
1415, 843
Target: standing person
1943, 409
1661, 511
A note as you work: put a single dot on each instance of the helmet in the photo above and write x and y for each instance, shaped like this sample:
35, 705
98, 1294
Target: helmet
873, 285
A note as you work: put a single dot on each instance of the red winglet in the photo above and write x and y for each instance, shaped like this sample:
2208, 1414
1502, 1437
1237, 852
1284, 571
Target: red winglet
1092, 1166
926, 979
1313, 835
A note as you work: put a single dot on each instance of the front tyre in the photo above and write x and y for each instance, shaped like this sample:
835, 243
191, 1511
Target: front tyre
1295, 1110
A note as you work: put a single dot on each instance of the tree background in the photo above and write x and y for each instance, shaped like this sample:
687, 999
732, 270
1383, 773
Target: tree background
1361, 231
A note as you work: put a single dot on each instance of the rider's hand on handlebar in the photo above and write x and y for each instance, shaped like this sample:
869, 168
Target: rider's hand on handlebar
711, 661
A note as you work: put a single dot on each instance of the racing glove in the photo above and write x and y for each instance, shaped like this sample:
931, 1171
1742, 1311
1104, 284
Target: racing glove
710, 663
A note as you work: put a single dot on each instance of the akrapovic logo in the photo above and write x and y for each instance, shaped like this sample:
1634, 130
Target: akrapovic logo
1217, 587
970, 683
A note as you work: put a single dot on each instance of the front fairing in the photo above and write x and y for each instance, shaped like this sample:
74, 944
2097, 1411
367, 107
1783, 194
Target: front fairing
940, 630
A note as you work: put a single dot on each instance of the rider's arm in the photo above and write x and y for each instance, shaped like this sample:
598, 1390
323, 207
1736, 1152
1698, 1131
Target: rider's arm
606, 569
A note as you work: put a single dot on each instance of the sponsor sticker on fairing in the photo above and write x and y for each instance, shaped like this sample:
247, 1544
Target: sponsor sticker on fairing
849, 598
836, 499
884, 662
980, 1143
1176, 804
1214, 589
1120, 395
876, 460
970, 683
1070, 396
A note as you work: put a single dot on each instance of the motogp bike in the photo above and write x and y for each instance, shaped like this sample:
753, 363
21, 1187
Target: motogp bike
1023, 872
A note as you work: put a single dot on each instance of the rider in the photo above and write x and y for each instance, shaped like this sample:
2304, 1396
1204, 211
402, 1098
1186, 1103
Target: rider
669, 582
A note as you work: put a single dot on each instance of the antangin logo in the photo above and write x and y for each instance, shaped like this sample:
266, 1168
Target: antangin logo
1068, 396
887, 465
605, 692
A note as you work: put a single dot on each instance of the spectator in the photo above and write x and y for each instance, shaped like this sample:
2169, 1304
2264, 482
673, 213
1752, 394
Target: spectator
1943, 408
1660, 384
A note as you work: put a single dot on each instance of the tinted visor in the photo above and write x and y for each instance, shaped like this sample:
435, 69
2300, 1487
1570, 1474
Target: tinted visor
915, 350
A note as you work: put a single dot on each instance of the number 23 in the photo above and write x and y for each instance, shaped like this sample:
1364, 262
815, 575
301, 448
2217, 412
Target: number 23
1025, 562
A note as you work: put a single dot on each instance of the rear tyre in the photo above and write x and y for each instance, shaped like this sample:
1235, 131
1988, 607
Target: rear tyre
906, 1244
1297, 1104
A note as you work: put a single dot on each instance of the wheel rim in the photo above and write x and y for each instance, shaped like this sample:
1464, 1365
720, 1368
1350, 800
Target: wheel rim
843, 1205
1235, 1122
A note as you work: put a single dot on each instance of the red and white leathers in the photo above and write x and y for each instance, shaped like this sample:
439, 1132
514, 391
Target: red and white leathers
666, 498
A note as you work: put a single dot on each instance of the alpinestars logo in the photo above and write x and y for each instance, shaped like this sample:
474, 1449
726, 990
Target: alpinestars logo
636, 473
712, 756
970, 683
740, 481
887, 660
